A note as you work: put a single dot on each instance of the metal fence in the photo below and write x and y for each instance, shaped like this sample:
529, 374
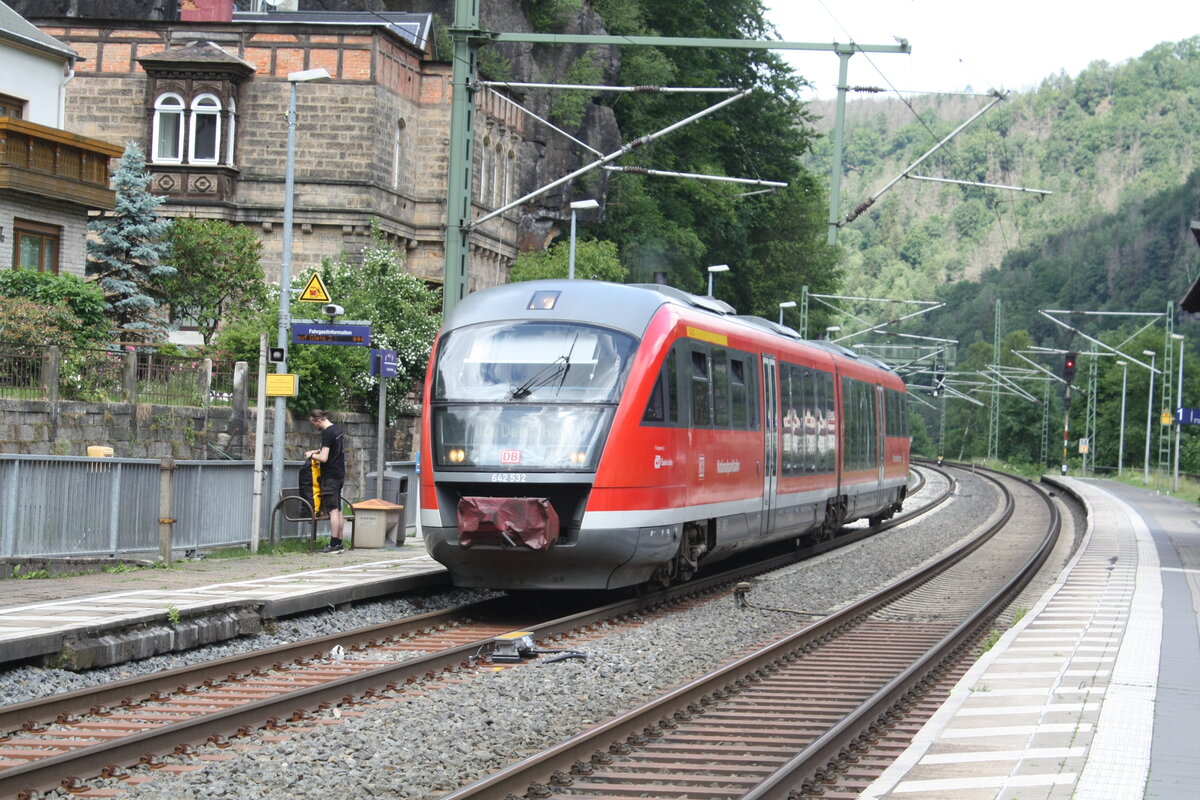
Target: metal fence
65, 506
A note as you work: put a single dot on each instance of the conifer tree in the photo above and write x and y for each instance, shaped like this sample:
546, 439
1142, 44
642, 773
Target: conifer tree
126, 256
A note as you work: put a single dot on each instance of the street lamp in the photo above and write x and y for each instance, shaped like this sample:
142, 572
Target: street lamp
1149, 409
783, 305
1179, 409
832, 329
285, 271
578, 205
711, 270
1121, 447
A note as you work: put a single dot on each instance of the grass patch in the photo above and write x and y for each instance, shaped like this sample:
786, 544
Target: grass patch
290, 547
229, 553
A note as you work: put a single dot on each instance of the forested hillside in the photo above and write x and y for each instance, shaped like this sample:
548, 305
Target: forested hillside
1117, 146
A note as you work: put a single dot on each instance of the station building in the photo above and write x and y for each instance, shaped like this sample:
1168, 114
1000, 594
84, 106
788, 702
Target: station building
206, 95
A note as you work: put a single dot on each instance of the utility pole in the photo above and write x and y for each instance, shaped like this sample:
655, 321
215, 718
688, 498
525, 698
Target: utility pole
1089, 458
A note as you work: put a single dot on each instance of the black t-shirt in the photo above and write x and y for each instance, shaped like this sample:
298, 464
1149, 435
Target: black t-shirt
334, 438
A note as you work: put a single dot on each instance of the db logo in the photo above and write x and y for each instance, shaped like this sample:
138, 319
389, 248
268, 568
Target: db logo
510, 456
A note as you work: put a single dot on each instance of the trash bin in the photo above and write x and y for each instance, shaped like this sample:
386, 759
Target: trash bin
373, 521
395, 490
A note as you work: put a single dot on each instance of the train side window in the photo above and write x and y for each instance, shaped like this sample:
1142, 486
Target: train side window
672, 386
720, 384
701, 389
739, 411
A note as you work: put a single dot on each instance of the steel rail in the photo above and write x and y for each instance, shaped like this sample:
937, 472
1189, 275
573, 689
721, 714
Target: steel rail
48, 773
634, 724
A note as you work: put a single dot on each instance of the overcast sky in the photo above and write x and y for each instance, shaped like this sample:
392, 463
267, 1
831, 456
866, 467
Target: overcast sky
959, 43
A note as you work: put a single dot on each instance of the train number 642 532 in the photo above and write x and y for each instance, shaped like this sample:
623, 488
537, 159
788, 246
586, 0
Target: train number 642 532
509, 477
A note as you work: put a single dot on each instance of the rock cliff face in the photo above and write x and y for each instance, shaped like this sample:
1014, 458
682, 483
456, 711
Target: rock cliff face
548, 155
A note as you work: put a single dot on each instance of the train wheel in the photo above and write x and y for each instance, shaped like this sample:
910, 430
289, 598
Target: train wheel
832, 523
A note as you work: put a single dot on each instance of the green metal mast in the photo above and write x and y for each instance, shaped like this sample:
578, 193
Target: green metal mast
994, 417
1166, 432
1089, 458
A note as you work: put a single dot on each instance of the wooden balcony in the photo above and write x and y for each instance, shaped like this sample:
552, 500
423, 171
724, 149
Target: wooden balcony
53, 163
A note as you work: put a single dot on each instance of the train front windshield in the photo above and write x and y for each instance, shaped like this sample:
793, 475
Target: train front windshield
526, 395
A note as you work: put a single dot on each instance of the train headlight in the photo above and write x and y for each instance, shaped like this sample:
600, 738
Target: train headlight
457, 455
579, 458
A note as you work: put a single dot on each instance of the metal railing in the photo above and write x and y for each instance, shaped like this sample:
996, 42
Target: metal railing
65, 506
70, 506
38, 372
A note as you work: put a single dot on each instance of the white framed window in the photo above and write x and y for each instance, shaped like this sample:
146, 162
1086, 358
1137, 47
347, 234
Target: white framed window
204, 133
167, 136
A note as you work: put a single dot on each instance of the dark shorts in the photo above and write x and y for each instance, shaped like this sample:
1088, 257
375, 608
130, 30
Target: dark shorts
331, 495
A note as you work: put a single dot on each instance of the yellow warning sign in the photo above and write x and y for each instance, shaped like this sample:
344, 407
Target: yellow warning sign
283, 384
315, 291
1167, 418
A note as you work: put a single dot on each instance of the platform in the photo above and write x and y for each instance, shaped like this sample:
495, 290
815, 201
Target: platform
1095, 692
105, 618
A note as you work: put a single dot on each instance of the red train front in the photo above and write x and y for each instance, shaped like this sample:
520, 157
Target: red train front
586, 435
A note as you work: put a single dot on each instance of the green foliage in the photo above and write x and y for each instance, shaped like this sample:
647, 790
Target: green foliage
594, 260
127, 254
218, 276
567, 108
774, 243
404, 315
83, 299
23, 322
550, 15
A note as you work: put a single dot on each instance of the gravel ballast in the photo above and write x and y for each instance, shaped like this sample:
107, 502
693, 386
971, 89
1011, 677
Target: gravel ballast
426, 743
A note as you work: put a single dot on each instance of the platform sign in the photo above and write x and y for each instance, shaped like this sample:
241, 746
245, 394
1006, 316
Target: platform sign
331, 333
1084, 447
283, 384
384, 363
1187, 416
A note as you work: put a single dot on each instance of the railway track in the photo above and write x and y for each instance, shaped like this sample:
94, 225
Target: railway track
99, 731
817, 713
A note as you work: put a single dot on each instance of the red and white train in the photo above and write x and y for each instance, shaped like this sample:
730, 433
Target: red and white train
588, 435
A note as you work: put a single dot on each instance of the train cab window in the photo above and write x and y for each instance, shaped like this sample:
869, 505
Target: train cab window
663, 405
701, 389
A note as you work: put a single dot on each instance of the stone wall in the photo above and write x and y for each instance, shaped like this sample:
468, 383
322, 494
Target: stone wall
70, 217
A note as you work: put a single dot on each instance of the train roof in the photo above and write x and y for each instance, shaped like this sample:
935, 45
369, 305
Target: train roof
627, 307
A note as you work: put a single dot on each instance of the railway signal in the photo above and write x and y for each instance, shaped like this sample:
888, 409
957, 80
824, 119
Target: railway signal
1069, 367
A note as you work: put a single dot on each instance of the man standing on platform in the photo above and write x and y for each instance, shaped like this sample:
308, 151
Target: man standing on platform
332, 473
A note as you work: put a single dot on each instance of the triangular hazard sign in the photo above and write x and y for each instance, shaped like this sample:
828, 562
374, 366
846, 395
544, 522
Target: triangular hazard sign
315, 291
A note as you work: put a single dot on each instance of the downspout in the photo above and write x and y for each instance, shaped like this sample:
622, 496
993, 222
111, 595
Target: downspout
62, 95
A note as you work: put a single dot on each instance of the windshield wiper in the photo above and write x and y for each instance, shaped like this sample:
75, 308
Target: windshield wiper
556, 368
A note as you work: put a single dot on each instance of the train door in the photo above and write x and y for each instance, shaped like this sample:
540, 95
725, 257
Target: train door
770, 471
880, 437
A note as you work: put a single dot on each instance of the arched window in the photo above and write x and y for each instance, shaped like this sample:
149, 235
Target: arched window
485, 172
398, 154
229, 137
205, 131
168, 129
496, 166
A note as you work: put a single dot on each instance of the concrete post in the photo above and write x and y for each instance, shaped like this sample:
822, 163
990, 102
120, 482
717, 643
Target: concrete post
165, 520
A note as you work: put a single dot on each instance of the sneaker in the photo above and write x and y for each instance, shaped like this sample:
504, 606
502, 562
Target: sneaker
332, 548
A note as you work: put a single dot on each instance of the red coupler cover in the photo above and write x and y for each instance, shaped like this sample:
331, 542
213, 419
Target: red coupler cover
507, 521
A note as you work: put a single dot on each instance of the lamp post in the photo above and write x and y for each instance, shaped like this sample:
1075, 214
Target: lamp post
285, 271
1179, 409
578, 205
783, 305
832, 329
711, 270
1149, 410
1121, 447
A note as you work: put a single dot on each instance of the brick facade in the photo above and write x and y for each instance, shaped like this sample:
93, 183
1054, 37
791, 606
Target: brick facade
66, 216
373, 143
